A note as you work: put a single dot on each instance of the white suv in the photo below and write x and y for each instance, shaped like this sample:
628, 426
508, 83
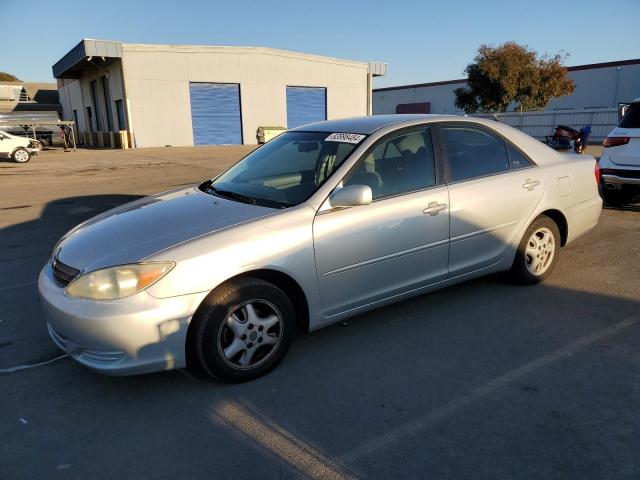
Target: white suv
620, 161
19, 149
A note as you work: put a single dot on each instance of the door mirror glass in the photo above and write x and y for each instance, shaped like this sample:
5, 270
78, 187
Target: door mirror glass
351, 196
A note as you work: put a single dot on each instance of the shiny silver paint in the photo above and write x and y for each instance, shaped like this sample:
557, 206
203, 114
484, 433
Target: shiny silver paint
345, 260
351, 196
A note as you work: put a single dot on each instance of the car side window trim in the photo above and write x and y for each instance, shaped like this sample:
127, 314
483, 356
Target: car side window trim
440, 126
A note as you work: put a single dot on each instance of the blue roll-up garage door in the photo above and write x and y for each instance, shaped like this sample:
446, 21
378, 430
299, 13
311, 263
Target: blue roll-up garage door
215, 113
306, 105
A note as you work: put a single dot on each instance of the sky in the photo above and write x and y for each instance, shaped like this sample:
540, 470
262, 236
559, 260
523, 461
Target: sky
421, 41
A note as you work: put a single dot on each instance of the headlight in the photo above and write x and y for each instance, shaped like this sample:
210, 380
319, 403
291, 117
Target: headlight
117, 282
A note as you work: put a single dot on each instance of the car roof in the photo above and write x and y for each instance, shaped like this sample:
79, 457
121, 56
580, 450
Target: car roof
369, 124
540, 152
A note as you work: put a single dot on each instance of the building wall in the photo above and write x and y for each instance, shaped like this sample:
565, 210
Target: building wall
157, 84
75, 94
441, 98
603, 87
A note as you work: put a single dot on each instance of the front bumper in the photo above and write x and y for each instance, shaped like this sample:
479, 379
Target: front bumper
137, 334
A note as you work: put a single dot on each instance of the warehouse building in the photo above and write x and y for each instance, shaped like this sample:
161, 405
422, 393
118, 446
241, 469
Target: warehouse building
157, 95
28, 97
598, 86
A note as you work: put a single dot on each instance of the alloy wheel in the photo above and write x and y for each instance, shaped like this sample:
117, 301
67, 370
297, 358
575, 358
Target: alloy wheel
21, 156
250, 334
540, 251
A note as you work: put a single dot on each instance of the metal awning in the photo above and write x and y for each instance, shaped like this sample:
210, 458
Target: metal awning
28, 124
85, 54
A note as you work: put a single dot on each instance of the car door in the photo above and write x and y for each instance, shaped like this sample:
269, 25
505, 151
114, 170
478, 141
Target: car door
397, 243
493, 190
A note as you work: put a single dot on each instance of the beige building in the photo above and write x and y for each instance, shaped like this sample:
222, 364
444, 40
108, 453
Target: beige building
204, 95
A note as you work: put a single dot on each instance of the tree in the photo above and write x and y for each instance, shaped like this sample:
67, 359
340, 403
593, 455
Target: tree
511, 73
7, 77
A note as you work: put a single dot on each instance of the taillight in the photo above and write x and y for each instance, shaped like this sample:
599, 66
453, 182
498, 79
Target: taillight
596, 171
615, 141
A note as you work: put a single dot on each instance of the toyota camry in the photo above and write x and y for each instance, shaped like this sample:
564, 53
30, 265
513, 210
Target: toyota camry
323, 222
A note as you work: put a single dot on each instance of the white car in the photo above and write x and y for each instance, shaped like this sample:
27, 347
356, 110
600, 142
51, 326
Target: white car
19, 149
620, 161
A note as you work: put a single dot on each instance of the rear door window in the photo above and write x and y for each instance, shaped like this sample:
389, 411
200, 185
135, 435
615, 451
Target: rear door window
473, 152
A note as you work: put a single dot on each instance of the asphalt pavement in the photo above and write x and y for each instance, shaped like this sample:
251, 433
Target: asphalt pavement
484, 380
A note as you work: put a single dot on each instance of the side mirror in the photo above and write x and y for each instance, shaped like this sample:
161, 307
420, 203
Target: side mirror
351, 196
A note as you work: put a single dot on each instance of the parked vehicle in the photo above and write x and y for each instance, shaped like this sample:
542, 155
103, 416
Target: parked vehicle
19, 149
566, 138
42, 134
323, 222
620, 161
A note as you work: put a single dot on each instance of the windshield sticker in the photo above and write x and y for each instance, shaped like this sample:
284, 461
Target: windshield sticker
345, 137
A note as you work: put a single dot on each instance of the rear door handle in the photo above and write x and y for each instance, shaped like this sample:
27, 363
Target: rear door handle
530, 184
434, 208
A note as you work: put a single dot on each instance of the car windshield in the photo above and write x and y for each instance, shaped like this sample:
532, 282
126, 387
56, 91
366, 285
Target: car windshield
285, 171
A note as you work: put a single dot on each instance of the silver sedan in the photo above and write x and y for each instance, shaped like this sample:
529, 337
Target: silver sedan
324, 222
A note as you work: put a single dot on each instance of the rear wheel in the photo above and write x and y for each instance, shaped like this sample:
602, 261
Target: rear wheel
538, 251
21, 155
243, 330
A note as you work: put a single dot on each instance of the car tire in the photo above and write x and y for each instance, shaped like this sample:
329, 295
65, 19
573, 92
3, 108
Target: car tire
616, 198
243, 329
21, 155
537, 253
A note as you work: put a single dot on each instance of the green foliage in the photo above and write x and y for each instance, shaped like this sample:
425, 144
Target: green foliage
511, 73
7, 77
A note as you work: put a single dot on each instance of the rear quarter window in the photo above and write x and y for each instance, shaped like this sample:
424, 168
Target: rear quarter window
631, 119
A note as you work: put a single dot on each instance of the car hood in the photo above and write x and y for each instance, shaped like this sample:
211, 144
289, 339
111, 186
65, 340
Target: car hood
139, 229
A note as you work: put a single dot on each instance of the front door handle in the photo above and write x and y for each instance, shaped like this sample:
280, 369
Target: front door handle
530, 184
434, 208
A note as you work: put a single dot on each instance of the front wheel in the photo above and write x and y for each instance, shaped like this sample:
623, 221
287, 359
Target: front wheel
243, 330
538, 252
21, 155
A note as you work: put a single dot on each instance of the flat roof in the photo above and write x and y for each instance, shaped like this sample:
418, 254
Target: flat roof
575, 68
71, 64
153, 47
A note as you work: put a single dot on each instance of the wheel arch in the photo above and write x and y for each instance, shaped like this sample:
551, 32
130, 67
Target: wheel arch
560, 220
